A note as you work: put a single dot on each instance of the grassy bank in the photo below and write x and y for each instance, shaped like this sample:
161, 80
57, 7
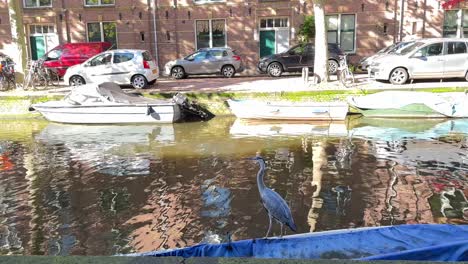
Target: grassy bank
18, 106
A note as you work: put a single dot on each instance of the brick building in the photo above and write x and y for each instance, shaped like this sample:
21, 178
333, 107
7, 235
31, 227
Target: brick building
252, 27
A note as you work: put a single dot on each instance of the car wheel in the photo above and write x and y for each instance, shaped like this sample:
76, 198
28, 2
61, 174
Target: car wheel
398, 76
332, 66
275, 69
77, 80
177, 72
228, 71
139, 82
466, 76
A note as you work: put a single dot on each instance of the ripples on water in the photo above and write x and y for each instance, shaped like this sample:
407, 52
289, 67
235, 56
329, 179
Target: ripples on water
102, 190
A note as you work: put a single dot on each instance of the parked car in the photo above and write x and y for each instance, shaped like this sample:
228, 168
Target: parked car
122, 66
222, 61
426, 58
69, 54
394, 48
297, 57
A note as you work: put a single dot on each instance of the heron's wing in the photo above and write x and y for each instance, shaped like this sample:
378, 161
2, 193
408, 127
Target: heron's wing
276, 206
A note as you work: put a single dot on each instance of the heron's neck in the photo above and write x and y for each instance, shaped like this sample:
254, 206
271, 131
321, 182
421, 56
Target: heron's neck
261, 172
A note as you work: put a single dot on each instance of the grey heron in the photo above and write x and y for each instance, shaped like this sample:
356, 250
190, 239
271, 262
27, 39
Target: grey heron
275, 205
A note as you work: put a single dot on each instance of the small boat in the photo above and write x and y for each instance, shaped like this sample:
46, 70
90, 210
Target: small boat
436, 242
409, 104
283, 110
107, 103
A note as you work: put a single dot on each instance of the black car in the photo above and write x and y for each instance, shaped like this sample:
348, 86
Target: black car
297, 57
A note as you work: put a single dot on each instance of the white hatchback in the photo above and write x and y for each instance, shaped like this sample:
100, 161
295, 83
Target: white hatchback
122, 66
424, 59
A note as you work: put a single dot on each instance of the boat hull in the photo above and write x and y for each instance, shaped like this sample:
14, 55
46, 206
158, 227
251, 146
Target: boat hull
251, 109
111, 114
404, 242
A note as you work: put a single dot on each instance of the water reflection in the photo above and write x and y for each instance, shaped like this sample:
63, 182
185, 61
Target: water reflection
113, 150
101, 190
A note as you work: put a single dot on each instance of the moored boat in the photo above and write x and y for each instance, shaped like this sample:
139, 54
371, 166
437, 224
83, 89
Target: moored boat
410, 104
437, 242
107, 103
283, 110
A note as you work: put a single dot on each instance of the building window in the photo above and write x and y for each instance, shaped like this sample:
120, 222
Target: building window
341, 29
211, 33
103, 31
273, 23
456, 23
41, 29
207, 1
99, 2
37, 3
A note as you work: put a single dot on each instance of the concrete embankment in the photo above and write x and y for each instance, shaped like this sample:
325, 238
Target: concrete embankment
17, 105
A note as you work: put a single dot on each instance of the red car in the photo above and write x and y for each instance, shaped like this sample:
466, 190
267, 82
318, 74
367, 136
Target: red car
69, 54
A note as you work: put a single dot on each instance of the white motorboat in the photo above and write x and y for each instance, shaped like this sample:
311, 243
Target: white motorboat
107, 103
254, 109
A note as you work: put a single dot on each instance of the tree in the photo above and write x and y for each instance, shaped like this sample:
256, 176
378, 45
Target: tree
307, 29
449, 3
321, 46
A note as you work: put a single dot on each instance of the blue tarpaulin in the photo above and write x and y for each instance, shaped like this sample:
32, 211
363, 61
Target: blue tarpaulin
436, 242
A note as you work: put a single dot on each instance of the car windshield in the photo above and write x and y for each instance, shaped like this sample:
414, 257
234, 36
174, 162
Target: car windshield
197, 56
399, 47
411, 47
386, 49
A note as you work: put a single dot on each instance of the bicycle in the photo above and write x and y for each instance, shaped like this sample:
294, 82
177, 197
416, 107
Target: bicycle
345, 75
7, 77
40, 76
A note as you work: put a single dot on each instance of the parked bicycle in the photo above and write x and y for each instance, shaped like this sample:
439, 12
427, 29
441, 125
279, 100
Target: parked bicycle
7, 76
345, 75
39, 76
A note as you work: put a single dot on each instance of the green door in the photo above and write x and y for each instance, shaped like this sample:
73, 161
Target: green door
267, 42
37, 47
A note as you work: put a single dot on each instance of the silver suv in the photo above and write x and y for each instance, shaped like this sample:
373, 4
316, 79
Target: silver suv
222, 61
426, 58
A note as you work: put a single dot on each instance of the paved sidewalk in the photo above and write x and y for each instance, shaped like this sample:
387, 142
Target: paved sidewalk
287, 83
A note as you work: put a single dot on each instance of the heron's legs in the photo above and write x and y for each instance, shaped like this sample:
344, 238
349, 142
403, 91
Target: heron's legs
281, 234
269, 227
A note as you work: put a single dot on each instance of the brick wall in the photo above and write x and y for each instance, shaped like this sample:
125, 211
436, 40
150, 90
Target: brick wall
377, 22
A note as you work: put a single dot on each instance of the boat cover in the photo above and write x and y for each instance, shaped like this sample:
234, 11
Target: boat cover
435, 242
450, 104
112, 92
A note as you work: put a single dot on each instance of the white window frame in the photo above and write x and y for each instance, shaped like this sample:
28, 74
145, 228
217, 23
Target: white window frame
101, 27
274, 27
204, 2
37, 4
99, 4
42, 33
339, 30
460, 27
211, 31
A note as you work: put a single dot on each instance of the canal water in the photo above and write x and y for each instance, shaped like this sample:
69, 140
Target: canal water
104, 190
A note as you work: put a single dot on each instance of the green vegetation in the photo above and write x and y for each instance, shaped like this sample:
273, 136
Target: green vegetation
307, 29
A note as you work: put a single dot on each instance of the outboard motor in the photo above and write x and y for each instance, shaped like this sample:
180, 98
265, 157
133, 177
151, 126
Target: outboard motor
191, 109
